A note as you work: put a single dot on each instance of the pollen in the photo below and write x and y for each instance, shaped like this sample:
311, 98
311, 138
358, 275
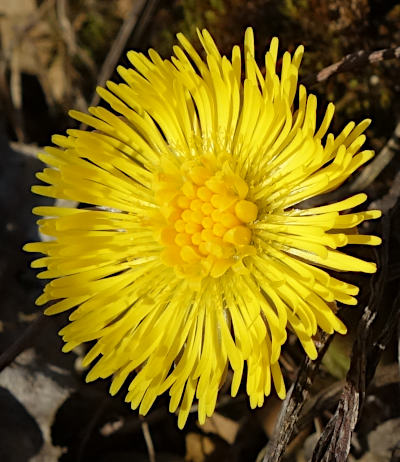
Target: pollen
207, 221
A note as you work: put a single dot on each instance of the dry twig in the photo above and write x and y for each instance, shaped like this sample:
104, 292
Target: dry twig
389, 200
350, 62
330, 396
334, 443
293, 404
372, 170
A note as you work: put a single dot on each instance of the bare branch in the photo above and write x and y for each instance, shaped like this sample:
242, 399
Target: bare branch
293, 404
350, 62
334, 443
329, 397
389, 200
372, 170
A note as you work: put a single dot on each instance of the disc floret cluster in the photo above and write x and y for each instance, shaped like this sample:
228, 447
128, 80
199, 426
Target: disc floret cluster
207, 215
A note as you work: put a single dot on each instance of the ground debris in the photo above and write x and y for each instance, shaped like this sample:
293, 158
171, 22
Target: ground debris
39, 389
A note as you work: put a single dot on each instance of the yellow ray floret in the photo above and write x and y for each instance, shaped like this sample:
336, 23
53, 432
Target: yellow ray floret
194, 256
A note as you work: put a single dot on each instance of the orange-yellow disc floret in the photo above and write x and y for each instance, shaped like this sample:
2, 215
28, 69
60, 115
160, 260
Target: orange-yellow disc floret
207, 219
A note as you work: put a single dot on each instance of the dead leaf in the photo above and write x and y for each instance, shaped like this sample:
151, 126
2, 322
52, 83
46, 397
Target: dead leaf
20, 435
222, 426
59, 82
383, 440
17, 7
198, 447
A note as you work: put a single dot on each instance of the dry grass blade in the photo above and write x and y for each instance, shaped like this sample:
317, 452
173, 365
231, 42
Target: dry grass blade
149, 441
118, 46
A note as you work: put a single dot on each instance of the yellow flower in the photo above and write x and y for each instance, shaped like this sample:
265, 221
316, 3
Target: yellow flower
195, 258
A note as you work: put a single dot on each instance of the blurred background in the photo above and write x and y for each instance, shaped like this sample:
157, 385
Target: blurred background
53, 54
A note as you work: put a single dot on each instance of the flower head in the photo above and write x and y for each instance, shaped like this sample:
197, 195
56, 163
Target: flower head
195, 257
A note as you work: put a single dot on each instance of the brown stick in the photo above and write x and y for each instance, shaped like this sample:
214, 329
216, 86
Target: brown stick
334, 443
351, 61
329, 397
294, 402
373, 169
389, 200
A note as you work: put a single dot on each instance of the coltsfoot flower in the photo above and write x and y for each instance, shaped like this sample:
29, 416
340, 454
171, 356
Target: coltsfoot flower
196, 258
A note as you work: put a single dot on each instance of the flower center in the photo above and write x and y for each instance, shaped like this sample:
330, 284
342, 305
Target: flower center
207, 216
